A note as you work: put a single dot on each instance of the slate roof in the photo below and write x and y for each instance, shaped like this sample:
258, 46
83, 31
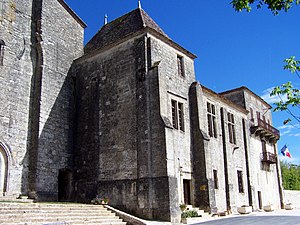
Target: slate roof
122, 27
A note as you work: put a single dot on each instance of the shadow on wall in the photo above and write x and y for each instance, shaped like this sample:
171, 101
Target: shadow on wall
48, 163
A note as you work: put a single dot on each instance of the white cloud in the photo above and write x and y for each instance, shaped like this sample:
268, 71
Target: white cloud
293, 160
271, 99
285, 132
292, 130
295, 135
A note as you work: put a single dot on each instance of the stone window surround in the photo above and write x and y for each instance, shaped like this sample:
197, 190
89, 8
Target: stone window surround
2, 44
231, 128
240, 181
177, 115
211, 118
180, 66
216, 180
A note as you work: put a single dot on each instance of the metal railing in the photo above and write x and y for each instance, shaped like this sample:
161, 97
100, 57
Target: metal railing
268, 157
268, 127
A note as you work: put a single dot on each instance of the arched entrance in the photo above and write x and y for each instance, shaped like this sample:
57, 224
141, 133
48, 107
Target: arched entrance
3, 171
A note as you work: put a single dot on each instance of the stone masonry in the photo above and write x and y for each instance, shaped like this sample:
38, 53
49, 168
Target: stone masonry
124, 118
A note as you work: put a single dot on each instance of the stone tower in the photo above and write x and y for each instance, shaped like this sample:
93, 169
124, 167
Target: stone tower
131, 74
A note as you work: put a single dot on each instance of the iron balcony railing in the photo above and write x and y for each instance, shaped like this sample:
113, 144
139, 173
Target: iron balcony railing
264, 129
262, 123
269, 157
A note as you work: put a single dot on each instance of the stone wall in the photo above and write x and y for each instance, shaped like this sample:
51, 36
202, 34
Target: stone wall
119, 149
264, 177
225, 157
292, 197
62, 42
41, 40
174, 87
15, 84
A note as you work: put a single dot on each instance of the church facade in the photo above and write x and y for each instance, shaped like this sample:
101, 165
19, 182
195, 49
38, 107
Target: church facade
123, 117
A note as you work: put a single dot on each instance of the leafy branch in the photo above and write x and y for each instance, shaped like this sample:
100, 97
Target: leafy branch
274, 5
287, 90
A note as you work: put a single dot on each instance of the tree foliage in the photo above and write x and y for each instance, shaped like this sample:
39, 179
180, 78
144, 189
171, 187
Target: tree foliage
274, 5
290, 176
289, 95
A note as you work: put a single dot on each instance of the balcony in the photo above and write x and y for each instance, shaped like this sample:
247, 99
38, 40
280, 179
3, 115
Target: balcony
268, 157
265, 130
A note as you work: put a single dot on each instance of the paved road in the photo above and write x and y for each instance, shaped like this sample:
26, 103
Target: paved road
256, 220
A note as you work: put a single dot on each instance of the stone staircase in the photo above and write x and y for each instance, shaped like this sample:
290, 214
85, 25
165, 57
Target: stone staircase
23, 213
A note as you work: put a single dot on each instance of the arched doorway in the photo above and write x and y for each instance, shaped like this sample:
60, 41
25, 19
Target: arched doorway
3, 171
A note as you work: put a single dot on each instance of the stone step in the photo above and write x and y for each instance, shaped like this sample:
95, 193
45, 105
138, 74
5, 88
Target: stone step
61, 215
25, 209
12, 213
56, 219
55, 212
49, 206
66, 223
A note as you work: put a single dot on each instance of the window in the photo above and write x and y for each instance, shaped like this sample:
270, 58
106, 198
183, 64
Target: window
177, 115
211, 118
251, 114
231, 129
263, 146
180, 65
240, 181
258, 115
180, 116
174, 114
2, 44
215, 172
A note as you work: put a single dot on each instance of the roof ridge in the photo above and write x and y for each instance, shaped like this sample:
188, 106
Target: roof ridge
141, 14
125, 25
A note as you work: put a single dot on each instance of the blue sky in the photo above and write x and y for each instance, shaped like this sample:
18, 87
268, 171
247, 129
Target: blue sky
234, 49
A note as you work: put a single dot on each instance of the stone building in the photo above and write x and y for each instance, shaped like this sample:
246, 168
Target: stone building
124, 117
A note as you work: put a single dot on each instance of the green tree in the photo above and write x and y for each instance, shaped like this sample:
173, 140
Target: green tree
289, 95
290, 176
274, 5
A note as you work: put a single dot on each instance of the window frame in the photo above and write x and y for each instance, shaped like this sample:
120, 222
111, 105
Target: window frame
240, 181
231, 128
180, 66
174, 114
216, 180
2, 47
211, 120
177, 115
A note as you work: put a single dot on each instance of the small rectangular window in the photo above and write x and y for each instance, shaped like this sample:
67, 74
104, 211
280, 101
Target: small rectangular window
258, 115
174, 114
240, 181
264, 146
180, 66
251, 114
177, 115
216, 182
180, 116
231, 128
211, 118
2, 44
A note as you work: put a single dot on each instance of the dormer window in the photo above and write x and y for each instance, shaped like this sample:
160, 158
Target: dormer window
180, 66
2, 44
